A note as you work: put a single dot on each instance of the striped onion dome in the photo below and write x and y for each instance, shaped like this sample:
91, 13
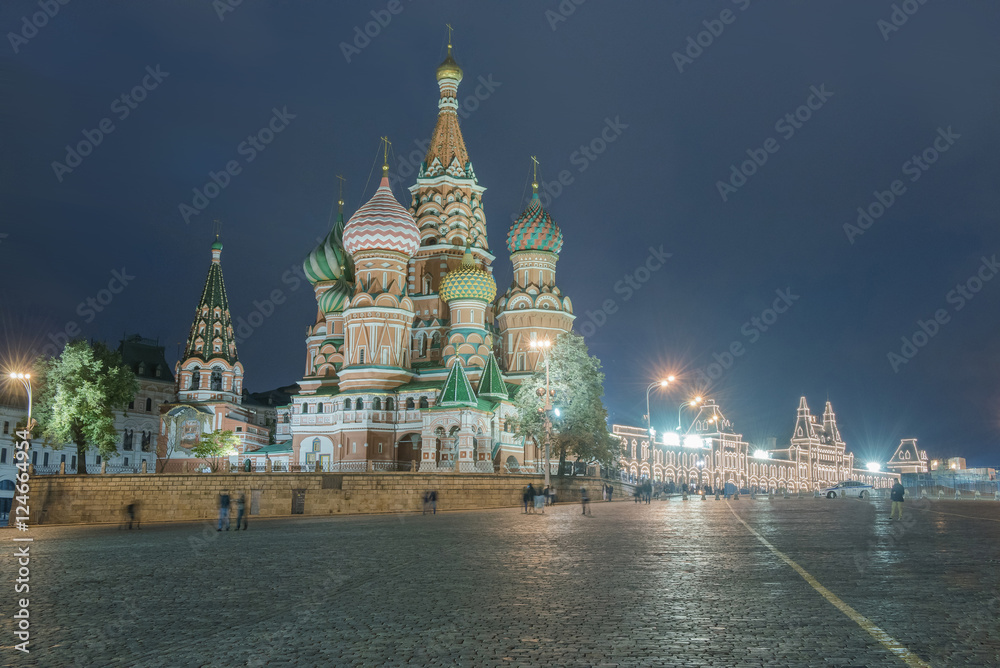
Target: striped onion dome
534, 230
382, 224
335, 298
468, 281
329, 261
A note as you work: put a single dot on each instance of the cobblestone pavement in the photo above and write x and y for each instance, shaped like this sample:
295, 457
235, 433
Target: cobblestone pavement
673, 583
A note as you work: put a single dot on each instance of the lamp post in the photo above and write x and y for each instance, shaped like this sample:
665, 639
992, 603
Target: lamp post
25, 380
693, 402
660, 383
543, 345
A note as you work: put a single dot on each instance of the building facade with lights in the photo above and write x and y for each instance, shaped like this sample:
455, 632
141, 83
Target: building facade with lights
711, 453
412, 360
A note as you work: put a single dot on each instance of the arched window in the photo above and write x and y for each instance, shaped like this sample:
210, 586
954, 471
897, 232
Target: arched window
427, 284
149, 405
347, 404
389, 405
319, 408
423, 402
359, 404
216, 379
409, 403
196, 380
377, 404
147, 441
127, 439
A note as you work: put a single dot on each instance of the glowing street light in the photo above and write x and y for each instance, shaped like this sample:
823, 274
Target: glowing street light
660, 383
25, 380
873, 466
761, 454
671, 438
694, 402
692, 441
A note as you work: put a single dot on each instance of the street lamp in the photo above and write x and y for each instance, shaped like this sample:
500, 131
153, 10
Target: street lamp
693, 402
660, 383
543, 345
25, 380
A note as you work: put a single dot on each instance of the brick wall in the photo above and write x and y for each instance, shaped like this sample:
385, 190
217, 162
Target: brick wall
71, 499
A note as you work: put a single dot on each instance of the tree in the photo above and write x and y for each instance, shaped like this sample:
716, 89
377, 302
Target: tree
580, 429
78, 393
211, 447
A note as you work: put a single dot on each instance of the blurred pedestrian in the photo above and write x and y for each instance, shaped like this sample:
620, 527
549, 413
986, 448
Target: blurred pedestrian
241, 512
896, 495
132, 515
540, 500
224, 504
585, 501
427, 501
528, 498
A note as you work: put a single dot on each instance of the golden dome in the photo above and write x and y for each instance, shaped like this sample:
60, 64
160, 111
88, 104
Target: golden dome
449, 69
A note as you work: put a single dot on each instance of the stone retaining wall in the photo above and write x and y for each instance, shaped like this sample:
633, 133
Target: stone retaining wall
72, 499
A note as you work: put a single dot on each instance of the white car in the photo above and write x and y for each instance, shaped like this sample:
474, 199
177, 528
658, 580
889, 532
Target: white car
848, 488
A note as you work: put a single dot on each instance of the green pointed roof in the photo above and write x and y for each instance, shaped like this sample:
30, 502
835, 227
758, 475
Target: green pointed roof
457, 389
491, 384
213, 297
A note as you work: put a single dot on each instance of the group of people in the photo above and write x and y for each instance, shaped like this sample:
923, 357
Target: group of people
225, 503
535, 499
607, 491
431, 502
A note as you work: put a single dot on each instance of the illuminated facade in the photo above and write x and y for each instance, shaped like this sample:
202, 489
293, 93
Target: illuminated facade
711, 453
411, 360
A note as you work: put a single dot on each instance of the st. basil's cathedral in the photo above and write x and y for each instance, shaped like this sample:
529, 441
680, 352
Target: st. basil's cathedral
413, 360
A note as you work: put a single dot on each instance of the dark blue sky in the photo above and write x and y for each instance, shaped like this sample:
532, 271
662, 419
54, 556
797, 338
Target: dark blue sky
551, 92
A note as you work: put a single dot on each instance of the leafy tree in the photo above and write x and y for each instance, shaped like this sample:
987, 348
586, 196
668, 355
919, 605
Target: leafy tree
78, 393
211, 447
580, 430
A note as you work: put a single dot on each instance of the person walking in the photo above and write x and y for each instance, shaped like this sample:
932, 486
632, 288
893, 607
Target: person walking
132, 515
223, 511
896, 495
528, 498
540, 500
241, 512
585, 501
427, 501
434, 502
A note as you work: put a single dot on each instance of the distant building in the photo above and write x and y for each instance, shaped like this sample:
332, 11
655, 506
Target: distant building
711, 453
908, 459
948, 464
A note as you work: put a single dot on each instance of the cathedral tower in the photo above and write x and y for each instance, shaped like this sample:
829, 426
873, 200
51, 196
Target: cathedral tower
447, 206
468, 290
330, 270
533, 307
210, 369
381, 237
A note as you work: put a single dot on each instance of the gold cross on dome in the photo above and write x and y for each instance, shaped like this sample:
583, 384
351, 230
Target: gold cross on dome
448, 25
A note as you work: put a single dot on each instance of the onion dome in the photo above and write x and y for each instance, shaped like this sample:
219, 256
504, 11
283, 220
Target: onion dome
382, 224
468, 281
449, 69
329, 261
218, 244
534, 230
336, 298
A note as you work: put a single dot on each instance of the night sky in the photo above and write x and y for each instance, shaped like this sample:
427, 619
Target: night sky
645, 125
